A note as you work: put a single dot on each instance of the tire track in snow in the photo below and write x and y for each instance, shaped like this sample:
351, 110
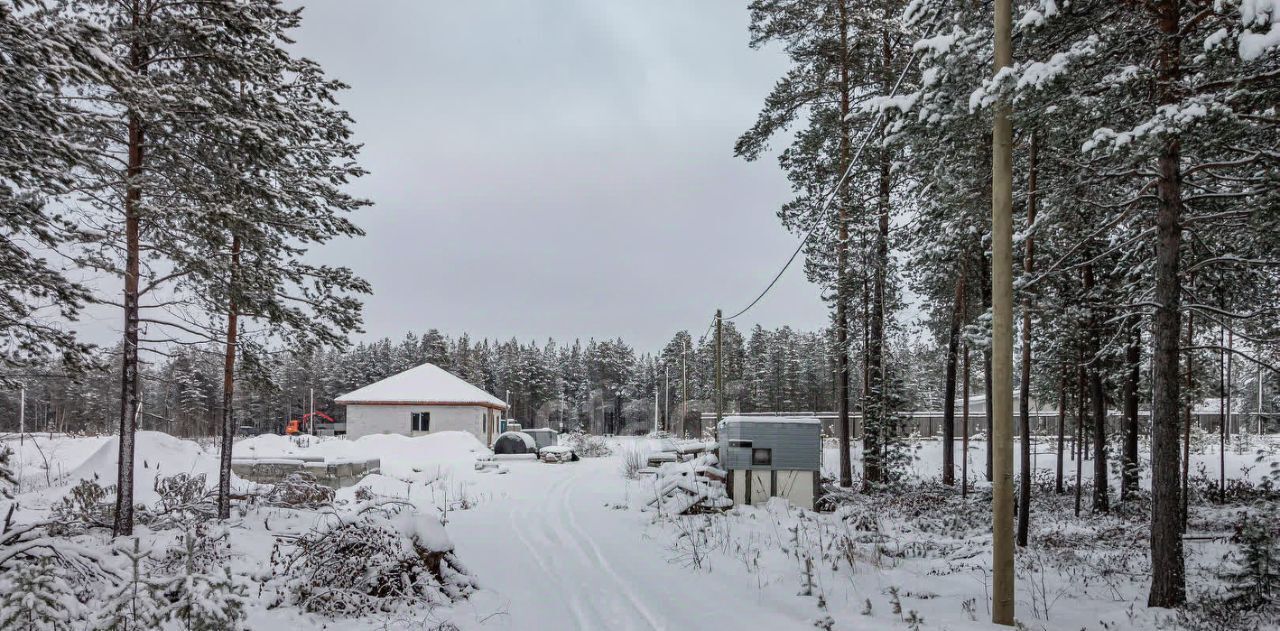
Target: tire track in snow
575, 603
586, 568
623, 588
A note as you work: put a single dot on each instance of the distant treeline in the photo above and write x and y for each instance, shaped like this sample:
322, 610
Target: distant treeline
601, 386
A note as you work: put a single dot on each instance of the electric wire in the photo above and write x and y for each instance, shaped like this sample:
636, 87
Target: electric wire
830, 196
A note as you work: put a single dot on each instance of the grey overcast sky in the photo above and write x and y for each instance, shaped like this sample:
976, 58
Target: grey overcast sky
558, 168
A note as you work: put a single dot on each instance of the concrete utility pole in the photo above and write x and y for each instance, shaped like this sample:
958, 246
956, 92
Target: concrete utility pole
22, 413
1002, 604
666, 398
655, 400
311, 418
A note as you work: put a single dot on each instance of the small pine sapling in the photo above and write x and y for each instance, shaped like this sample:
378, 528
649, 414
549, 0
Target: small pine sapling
1254, 580
824, 620
7, 480
895, 601
203, 601
37, 596
137, 603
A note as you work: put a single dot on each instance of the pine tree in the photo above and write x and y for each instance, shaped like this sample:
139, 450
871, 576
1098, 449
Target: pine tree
137, 603
41, 50
1253, 579
7, 480
37, 596
205, 600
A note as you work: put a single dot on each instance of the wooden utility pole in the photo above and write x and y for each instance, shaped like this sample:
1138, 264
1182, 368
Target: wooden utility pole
684, 384
666, 397
1002, 601
719, 369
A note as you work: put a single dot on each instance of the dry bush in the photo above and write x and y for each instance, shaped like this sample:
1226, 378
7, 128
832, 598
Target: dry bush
365, 564
588, 445
89, 505
184, 500
300, 490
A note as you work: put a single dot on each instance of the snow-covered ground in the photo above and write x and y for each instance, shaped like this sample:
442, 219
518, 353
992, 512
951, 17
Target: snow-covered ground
568, 546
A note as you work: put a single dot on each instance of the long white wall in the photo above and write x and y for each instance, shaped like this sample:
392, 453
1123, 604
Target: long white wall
364, 420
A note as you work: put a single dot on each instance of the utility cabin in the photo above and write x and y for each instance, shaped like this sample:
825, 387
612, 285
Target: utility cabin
771, 456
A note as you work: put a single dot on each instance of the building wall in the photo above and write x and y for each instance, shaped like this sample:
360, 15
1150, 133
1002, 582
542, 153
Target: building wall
365, 420
794, 445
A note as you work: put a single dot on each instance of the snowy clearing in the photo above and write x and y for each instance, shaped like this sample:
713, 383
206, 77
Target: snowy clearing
572, 546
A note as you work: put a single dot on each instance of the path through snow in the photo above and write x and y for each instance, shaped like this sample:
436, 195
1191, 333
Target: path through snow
563, 551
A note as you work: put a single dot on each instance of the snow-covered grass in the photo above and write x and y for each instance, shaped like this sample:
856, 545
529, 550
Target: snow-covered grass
573, 546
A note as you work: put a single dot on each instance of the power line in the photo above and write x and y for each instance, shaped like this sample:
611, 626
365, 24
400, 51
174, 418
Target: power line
830, 196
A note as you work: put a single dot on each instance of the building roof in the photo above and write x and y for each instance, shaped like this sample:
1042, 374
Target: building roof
427, 384
800, 420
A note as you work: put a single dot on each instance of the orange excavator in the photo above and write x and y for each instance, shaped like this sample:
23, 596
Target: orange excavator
307, 422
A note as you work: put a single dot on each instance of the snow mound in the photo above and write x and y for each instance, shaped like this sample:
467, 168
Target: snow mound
399, 455
156, 454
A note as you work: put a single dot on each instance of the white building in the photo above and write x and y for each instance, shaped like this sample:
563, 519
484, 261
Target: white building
419, 401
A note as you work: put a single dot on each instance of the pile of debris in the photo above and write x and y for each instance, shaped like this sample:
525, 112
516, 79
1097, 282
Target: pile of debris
688, 483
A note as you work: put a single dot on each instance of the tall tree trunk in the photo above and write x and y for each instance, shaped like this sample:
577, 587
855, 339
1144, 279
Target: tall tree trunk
1096, 401
1062, 427
130, 404
1222, 409
1101, 501
1168, 582
964, 425
874, 434
1080, 416
228, 384
842, 270
1187, 413
949, 387
1024, 394
986, 368
1131, 469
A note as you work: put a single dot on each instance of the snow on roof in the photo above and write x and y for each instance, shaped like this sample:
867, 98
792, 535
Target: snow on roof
425, 385
806, 420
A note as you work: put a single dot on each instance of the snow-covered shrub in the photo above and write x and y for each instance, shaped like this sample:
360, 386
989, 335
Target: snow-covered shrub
88, 505
204, 547
7, 479
588, 445
377, 559
300, 490
633, 460
184, 500
37, 596
137, 602
1253, 577
205, 599
31, 544
1208, 488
